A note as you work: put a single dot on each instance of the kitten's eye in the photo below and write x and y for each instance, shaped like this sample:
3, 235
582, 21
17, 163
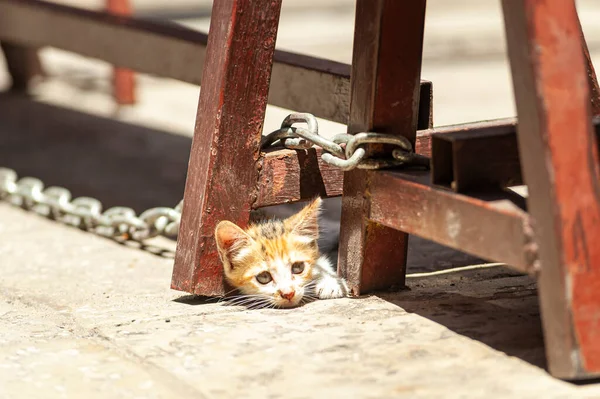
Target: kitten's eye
264, 278
297, 267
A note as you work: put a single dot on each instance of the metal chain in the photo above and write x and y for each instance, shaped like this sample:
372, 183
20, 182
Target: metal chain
85, 212
345, 151
354, 155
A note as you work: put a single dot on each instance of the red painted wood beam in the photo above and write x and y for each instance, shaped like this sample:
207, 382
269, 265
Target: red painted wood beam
386, 70
224, 161
559, 155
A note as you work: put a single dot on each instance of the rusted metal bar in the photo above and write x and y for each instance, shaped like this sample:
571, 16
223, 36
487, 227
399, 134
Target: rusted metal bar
223, 167
299, 82
123, 78
560, 165
386, 67
476, 157
492, 226
23, 64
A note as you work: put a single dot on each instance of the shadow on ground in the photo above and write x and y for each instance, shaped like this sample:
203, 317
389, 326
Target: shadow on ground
118, 163
495, 306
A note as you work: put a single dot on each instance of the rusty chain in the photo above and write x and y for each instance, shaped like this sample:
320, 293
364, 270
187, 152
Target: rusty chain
85, 212
354, 155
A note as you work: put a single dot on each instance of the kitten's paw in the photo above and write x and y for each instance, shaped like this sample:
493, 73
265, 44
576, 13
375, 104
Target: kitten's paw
331, 287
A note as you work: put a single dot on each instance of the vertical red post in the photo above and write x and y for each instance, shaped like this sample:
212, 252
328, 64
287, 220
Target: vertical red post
123, 78
224, 162
386, 70
560, 164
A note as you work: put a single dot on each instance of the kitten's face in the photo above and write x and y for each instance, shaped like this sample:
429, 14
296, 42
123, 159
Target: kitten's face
272, 262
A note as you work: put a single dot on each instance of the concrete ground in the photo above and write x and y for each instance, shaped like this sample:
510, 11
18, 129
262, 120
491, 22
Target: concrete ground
85, 317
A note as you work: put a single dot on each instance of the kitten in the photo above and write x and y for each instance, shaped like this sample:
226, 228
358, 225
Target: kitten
277, 263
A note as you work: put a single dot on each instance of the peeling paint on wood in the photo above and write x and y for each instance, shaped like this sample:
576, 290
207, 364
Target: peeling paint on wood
224, 163
559, 154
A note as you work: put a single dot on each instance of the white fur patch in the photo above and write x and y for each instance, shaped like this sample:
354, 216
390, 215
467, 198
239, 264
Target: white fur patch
242, 254
329, 287
304, 239
325, 265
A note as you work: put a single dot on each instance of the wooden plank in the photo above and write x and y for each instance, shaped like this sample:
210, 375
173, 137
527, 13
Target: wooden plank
123, 78
478, 156
406, 201
299, 82
223, 167
471, 160
164, 50
560, 165
386, 68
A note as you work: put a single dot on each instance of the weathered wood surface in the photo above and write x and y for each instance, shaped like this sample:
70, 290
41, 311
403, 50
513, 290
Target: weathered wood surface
491, 226
123, 78
223, 167
477, 159
559, 154
386, 68
299, 82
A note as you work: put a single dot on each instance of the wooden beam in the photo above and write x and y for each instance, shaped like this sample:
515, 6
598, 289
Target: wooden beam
477, 159
223, 167
559, 154
299, 82
386, 68
490, 226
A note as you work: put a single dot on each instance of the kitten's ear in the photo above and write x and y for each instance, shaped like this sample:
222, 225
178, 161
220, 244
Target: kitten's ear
231, 239
306, 222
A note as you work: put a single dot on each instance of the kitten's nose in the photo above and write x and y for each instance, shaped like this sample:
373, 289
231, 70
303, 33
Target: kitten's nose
287, 295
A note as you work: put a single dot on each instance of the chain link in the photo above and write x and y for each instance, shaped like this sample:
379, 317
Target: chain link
354, 155
85, 212
345, 151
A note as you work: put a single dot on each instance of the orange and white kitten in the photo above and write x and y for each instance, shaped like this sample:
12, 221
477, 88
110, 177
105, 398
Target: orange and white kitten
276, 263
